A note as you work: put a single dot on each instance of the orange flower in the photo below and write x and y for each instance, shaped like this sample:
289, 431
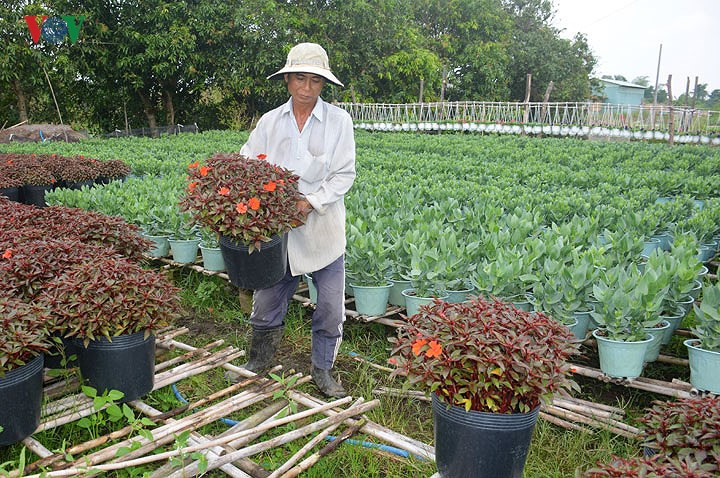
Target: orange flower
223, 191
262, 156
204, 170
7, 254
241, 207
192, 186
270, 187
418, 345
435, 349
194, 165
254, 203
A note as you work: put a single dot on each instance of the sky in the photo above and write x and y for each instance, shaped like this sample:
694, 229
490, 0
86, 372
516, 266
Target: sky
625, 37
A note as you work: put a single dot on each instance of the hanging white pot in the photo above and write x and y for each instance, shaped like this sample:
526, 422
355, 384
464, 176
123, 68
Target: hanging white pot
556, 130
537, 129
516, 129
658, 135
482, 127
704, 140
435, 127
413, 126
716, 141
585, 130
547, 129
473, 126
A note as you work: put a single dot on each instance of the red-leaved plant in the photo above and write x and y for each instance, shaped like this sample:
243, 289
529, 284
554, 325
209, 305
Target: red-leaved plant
484, 355
687, 429
24, 269
23, 332
112, 169
108, 298
658, 466
249, 200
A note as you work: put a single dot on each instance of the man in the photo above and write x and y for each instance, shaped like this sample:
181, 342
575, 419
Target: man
316, 141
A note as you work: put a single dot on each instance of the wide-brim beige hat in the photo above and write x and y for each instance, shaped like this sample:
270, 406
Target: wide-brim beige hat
308, 58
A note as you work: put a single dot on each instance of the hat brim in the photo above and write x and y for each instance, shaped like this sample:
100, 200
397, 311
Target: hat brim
313, 70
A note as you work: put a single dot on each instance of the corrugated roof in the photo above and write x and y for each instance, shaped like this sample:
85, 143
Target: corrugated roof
622, 83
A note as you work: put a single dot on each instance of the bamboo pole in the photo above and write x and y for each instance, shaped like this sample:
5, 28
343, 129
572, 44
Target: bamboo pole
635, 383
36, 447
193, 421
327, 449
373, 429
584, 409
564, 424
673, 360
88, 445
232, 405
181, 358
285, 438
567, 414
619, 411
307, 447
196, 439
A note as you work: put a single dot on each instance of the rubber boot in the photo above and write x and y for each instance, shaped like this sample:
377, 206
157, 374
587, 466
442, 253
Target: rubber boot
327, 384
263, 346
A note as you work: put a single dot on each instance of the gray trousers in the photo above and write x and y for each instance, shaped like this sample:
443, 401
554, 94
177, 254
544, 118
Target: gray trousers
270, 306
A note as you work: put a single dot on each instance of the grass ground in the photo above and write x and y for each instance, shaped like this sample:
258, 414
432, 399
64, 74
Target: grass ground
214, 310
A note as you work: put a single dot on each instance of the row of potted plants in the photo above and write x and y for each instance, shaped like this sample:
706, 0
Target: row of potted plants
27, 177
72, 279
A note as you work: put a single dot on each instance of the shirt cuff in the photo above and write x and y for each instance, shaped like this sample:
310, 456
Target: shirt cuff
315, 203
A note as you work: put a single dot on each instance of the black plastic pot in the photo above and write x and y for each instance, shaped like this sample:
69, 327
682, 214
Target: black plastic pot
126, 364
259, 269
481, 444
60, 351
78, 185
12, 194
21, 400
35, 195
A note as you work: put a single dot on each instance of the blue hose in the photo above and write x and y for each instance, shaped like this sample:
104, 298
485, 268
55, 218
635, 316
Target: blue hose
178, 395
387, 448
366, 444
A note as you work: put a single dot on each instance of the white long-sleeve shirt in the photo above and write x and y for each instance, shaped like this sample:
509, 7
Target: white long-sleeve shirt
323, 155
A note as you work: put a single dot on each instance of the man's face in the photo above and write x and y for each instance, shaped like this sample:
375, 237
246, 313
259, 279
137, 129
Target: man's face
304, 88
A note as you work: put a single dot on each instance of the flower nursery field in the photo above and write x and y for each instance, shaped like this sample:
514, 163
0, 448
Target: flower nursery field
553, 222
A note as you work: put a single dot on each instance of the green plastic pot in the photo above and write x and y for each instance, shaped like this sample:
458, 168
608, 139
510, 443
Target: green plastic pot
371, 300
413, 302
161, 246
523, 302
674, 320
212, 258
458, 296
184, 251
658, 334
704, 365
665, 239
650, 245
583, 322
396, 297
619, 358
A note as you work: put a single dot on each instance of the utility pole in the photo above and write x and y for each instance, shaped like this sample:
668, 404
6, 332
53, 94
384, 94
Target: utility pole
657, 78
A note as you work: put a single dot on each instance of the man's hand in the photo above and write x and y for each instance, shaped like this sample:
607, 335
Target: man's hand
304, 207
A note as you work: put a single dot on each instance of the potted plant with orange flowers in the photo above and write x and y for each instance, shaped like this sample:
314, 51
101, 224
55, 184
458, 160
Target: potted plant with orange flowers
488, 366
252, 205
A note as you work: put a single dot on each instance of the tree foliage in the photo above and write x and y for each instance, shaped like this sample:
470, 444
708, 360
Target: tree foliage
184, 61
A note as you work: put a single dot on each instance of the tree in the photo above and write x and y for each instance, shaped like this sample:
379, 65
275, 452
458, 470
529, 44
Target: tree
537, 48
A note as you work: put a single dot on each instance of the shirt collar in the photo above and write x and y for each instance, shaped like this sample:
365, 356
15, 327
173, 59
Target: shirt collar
318, 111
